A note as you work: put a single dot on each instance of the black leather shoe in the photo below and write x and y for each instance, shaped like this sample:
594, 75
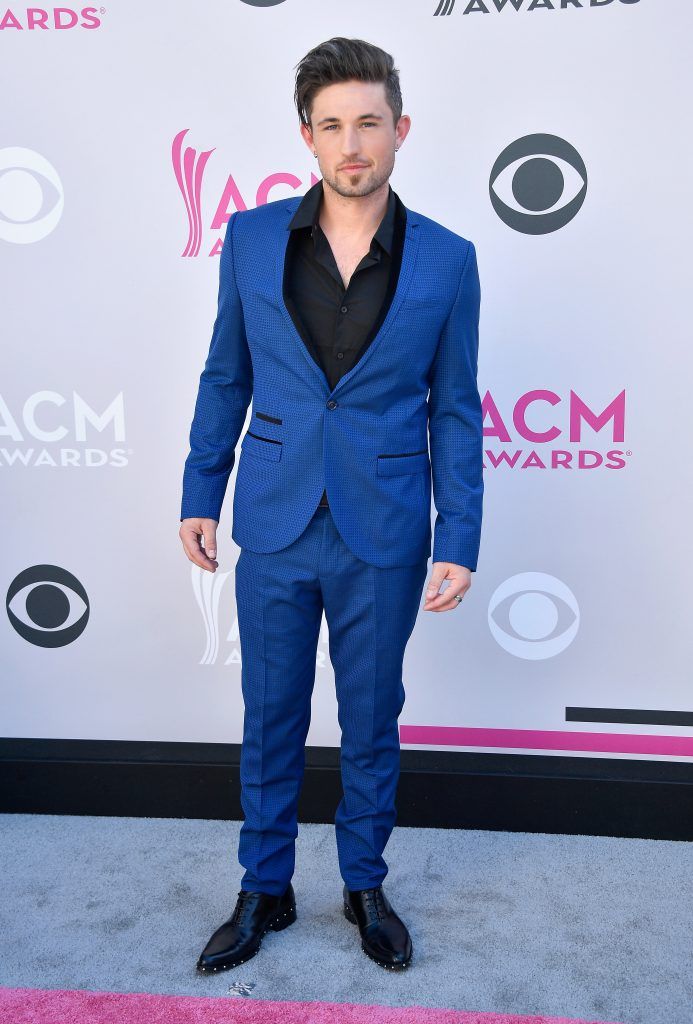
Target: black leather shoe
384, 936
239, 938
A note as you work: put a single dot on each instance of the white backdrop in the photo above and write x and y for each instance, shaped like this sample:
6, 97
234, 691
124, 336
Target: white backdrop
556, 137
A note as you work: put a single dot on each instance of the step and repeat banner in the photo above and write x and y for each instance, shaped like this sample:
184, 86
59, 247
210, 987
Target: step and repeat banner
552, 133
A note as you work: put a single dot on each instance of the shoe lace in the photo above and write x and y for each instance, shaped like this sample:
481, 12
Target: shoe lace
241, 906
376, 903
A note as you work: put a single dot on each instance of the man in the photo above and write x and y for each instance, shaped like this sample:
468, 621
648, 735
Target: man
352, 323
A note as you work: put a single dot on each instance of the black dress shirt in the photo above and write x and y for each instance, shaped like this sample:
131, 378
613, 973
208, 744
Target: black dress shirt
337, 324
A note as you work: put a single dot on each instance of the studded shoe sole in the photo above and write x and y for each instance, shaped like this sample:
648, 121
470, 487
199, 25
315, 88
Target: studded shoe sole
277, 924
349, 914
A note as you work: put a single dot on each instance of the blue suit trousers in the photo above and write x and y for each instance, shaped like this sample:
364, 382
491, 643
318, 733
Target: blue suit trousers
370, 614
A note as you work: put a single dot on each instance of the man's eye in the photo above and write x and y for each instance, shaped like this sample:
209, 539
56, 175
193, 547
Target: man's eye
329, 126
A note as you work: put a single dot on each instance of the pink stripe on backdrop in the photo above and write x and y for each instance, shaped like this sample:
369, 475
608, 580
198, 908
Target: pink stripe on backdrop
57, 1006
537, 739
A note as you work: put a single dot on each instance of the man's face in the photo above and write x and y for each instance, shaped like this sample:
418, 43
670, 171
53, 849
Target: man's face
352, 125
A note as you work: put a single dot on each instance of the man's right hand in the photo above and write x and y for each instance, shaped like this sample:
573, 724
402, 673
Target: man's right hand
190, 532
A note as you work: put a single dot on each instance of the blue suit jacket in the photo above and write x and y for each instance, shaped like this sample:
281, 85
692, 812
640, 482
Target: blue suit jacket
366, 440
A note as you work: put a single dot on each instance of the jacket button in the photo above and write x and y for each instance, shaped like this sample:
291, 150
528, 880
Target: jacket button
332, 404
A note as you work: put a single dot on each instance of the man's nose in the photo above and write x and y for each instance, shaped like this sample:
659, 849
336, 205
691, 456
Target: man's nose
351, 144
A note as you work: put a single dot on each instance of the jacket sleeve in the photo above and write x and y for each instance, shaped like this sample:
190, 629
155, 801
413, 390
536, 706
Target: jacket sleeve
455, 427
223, 397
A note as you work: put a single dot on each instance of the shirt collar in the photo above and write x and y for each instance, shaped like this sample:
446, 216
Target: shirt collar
307, 214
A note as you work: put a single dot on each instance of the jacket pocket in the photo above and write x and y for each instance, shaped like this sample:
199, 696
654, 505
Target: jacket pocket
263, 447
402, 462
266, 416
423, 302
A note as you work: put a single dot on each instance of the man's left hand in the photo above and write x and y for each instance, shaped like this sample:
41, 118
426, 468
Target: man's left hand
460, 578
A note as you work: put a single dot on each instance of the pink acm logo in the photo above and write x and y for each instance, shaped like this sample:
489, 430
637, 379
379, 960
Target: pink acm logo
189, 167
32, 18
537, 431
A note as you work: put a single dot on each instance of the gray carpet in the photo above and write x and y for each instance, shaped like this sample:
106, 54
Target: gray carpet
573, 926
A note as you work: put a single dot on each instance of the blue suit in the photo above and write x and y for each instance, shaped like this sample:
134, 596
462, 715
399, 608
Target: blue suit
364, 559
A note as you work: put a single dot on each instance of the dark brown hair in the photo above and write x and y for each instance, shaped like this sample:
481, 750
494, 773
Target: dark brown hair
341, 60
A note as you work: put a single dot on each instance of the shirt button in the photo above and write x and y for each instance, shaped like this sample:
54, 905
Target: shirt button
332, 404
340, 355
344, 309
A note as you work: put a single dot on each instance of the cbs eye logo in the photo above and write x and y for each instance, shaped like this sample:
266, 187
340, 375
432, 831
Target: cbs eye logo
538, 184
47, 606
31, 195
533, 615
